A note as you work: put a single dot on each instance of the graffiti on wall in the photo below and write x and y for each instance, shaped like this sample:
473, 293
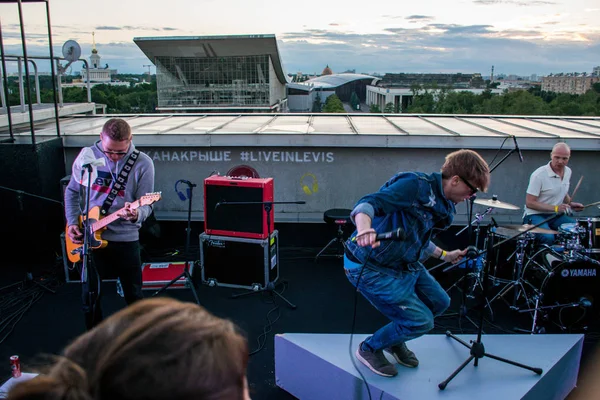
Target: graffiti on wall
242, 156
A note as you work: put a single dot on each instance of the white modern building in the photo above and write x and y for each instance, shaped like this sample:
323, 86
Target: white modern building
233, 73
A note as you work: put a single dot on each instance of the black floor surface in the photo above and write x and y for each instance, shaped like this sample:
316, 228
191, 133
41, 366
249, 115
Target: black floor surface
324, 298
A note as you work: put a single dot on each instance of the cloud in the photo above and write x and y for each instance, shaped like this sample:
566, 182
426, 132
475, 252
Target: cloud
441, 48
431, 47
418, 18
131, 28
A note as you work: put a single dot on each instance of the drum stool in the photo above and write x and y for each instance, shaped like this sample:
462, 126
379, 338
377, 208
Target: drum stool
341, 218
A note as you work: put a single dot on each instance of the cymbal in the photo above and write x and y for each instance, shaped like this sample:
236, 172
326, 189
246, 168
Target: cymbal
523, 228
495, 203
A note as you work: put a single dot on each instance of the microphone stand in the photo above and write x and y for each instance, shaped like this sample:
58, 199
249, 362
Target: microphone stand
186, 271
477, 349
87, 266
268, 207
502, 160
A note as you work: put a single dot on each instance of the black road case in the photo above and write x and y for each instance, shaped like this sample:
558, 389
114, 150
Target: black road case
239, 262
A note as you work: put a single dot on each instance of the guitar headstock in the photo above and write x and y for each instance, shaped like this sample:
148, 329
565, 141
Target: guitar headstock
150, 198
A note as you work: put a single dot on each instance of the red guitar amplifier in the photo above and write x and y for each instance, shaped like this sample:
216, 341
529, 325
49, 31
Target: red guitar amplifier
157, 275
223, 217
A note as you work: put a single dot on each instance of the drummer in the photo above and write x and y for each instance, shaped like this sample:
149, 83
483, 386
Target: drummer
547, 194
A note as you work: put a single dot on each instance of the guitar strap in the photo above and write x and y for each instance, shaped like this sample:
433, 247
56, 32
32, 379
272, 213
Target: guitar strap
119, 183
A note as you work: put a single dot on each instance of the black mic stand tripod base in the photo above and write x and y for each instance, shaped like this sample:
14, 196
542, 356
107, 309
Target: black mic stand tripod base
186, 270
477, 349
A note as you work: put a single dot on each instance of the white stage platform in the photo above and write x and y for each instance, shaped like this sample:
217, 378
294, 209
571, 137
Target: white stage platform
318, 366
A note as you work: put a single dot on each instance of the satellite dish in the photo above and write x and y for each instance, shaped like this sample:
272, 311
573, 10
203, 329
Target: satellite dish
71, 51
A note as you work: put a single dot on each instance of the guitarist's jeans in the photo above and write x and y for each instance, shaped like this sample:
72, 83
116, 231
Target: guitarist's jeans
117, 259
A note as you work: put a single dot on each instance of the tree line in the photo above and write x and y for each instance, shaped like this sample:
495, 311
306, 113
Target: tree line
137, 97
522, 102
142, 98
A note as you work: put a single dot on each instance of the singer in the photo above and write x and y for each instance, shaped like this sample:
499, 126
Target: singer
547, 194
393, 278
121, 257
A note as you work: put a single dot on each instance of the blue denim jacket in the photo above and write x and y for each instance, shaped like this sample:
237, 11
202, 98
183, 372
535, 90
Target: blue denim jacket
413, 201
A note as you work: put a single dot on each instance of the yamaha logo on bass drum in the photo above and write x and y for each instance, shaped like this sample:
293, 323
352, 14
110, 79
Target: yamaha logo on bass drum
578, 272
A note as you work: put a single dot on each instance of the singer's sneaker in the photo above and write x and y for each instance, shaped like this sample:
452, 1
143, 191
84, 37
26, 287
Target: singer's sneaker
376, 362
403, 355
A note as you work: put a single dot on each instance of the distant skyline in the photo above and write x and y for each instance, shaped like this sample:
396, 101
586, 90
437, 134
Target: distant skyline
521, 37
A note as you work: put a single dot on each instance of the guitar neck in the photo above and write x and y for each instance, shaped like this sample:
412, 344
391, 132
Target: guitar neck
112, 217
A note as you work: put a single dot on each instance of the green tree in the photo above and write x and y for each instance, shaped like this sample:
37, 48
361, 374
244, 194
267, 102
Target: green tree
317, 105
389, 108
333, 104
374, 108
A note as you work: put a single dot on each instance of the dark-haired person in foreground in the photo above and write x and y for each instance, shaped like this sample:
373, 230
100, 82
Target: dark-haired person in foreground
393, 279
155, 349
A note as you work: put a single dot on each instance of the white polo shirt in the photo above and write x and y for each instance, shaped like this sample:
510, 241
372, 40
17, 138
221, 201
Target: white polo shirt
548, 187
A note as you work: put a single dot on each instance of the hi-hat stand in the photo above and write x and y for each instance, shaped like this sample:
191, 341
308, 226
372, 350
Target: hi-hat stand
477, 349
268, 207
186, 268
517, 275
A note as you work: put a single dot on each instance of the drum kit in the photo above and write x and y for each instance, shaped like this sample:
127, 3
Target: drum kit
556, 284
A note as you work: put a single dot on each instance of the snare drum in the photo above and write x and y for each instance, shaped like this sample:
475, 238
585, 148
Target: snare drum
571, 285
589, 235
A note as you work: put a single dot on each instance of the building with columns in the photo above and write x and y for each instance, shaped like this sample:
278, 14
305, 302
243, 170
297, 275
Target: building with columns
96, 72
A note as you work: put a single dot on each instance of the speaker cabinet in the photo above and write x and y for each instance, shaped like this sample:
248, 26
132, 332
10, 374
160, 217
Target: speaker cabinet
239, 262
226, 208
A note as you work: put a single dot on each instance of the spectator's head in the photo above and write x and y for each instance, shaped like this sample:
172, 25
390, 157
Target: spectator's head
465, 172
155, 349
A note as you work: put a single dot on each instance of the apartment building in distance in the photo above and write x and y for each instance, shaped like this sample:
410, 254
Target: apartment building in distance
572, 83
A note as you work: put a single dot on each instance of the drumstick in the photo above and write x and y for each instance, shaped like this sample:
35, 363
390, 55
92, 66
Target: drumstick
576, 187
591, 204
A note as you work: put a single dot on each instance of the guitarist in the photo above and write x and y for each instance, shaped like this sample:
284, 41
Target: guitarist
113, 188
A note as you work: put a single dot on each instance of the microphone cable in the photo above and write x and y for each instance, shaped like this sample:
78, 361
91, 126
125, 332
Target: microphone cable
350, 348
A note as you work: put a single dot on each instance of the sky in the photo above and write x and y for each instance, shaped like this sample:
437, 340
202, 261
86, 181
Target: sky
521, 37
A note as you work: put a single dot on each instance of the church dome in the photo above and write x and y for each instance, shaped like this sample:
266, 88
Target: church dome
327, 71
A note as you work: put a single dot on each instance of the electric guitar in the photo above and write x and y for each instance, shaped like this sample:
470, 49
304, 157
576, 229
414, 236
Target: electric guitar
97, 225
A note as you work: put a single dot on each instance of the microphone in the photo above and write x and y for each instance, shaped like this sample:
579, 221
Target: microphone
585, 302
472, 252
517, 148
397, 234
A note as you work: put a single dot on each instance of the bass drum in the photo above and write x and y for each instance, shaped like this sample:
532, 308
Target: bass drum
569, 290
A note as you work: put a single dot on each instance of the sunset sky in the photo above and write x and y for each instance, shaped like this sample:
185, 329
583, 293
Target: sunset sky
520, 37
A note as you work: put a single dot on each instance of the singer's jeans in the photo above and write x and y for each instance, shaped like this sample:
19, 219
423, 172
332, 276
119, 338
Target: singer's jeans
117, 259
545, 238
410, 300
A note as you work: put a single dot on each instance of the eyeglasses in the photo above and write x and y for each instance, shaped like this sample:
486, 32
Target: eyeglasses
114, 153
473, 188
